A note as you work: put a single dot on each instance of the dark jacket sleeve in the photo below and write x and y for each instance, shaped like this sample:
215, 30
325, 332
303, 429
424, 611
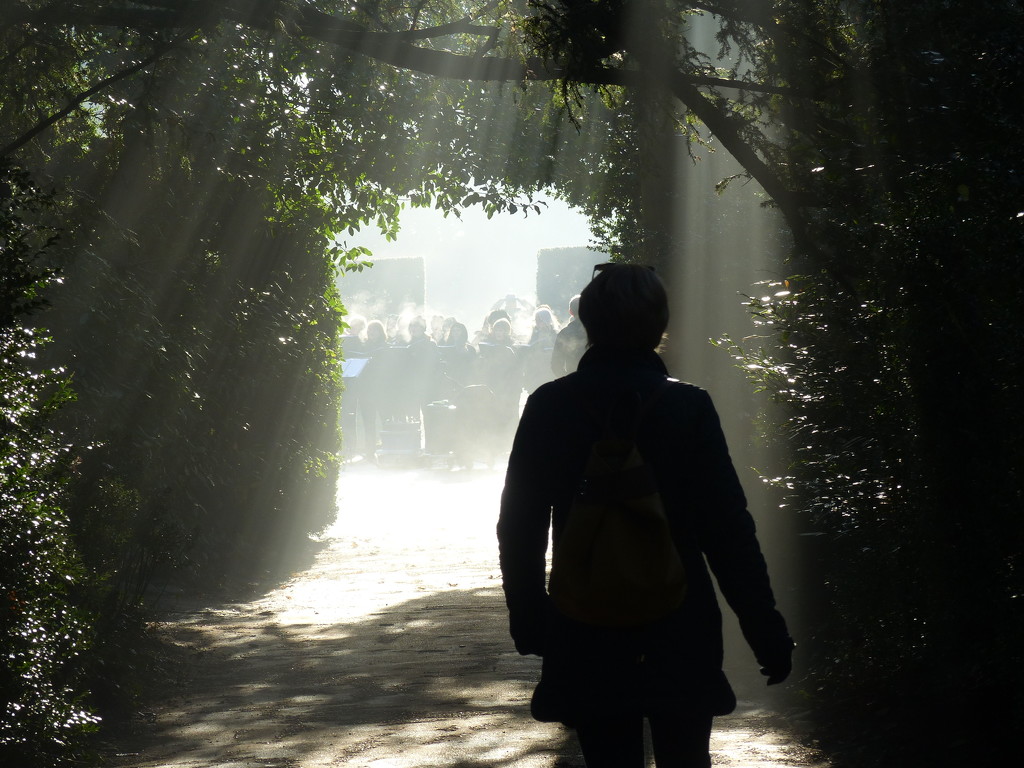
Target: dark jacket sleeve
523, 525
729, 542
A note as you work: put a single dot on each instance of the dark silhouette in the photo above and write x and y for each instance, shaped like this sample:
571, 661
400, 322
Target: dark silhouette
604, 682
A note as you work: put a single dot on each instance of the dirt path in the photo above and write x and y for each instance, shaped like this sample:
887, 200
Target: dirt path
390, 651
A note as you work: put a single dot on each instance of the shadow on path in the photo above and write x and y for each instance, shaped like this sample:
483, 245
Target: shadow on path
429, 682
390, 650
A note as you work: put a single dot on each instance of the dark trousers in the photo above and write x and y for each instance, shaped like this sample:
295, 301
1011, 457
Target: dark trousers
680, 741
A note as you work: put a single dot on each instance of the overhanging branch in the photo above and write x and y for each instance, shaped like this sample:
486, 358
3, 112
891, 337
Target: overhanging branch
393, 48
723, 127
81, 98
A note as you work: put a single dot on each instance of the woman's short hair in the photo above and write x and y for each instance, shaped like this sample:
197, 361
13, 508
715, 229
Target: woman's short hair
624, 306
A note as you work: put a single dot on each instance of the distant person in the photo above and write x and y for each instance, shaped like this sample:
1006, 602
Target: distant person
437, 328
501, 371
458, 357
501, 333
417, 330
374, 402
353, 343
538, 352
570, 343
604, 682
376, 336
486, 333
446, 328
545, 327
353, 350
515, 309
424, 366
393, 325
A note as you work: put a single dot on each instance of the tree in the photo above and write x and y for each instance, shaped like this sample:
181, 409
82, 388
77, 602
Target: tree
857, 120
899, 366
441, 39
44, 631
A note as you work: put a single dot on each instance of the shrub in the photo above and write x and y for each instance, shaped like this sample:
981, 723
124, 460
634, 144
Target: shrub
43, 635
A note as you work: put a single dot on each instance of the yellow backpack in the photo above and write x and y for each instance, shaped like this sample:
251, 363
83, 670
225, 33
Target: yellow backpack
615, 563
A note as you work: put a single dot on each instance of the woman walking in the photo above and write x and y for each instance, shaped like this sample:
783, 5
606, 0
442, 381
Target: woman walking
604, 681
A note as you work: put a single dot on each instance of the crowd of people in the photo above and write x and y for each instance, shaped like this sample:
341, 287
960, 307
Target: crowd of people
462, 391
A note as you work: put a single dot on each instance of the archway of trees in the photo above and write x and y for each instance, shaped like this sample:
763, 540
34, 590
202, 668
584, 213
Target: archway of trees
175, 171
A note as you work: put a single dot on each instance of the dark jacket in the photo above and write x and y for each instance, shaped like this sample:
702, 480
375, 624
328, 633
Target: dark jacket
675, 663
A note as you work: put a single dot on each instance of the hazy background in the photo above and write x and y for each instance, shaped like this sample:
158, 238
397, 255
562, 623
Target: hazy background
472, 262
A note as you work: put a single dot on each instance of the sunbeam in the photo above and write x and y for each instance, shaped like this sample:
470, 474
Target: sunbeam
283, 283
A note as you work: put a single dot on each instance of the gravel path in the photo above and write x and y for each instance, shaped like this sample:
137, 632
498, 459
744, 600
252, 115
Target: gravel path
390, 651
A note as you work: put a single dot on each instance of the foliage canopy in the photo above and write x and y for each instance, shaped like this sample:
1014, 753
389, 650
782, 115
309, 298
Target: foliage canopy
209, 152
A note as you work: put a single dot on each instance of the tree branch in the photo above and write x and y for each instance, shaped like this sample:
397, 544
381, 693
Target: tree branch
460, 27
394, 48
77, 101
792, 207
759, 14
727, 131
